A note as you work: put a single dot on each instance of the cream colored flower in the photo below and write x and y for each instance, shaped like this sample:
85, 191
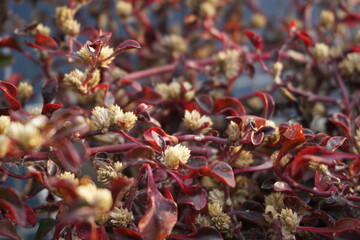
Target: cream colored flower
228, 62
25, 91
275, 199
277, 69
175, 154
222, 221
75, 79
28, 136
103, 60
97, 197
320, 51
4, 124
289, 221
121, 217
195, 122
64, 18
124, 9
40, 28
350, 64
284, 160
105, 174
327, 18
207, 10
244, 159
118, 166
233, 131
216, 196
215, 209
174, 43
4, 145
70, 177
100, 117
120, 119
203, 220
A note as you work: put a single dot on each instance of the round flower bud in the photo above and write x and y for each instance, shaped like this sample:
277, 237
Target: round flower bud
176, 154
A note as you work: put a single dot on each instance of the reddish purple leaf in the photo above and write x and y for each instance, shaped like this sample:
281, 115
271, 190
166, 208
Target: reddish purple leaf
193, 195
70, 154
268, 103
8, 229
126, 234
202, 233
148, 96
205, 103
347, 235
49, 90
222, 172
335, 142
161, 215
49, 108
10, 92
254, 38
158, 138
343, 122
228, 105
46, 42
125, 45
10, 42
119, 187
281, 186
13, 206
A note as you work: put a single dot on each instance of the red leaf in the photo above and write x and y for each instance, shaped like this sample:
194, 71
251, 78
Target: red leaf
229, 105
10, 92
7, 229
161, 215
158, 138
305, 37
222, 172
193, 195
126, 234
10, 42
70, 154
202, 233
343, 122
334, 142
347, 235
49, 108
292, 27
49, 90
268, 103
11, 203
125, 45
46, 42
255, 39
205, 103
119, 187
351, 19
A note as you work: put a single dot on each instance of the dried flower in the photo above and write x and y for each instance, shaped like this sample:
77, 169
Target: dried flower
228, 62
215, 209
216, 196
244, 159
4, 145
4, 124
258, 20
233, 131
320, 51
327, 18
172, 91
28, 136
124, 9
174, 43
97, 197
25, 91
289, 221
197, 123
64, 18
221, 221
203, 220
100, 118
103, 59
121, 217
76, 78
176, 154
275, 199
106, 174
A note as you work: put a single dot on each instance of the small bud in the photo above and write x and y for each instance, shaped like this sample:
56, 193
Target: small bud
28, 136
350, 64
216, 196
176, 154
233, 131
277, 70
215, 209
244, 159
121, 217
207, 10
275, 199
64, 18
105, 174
174, 43
68, 176
120, 119
289, 221
40, 28
100, 198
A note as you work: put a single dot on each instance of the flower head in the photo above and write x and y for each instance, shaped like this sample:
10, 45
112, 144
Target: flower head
28, 136
25, 91
121, 217
176, 154
100, 117
64, 18
104, 58
4, 124
100, 198
124, 9
320, 51
227, 62
197, 123
243, 159
106, 174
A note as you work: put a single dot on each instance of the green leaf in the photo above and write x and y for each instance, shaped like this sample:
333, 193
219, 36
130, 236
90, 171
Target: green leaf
5, 60
46, 225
